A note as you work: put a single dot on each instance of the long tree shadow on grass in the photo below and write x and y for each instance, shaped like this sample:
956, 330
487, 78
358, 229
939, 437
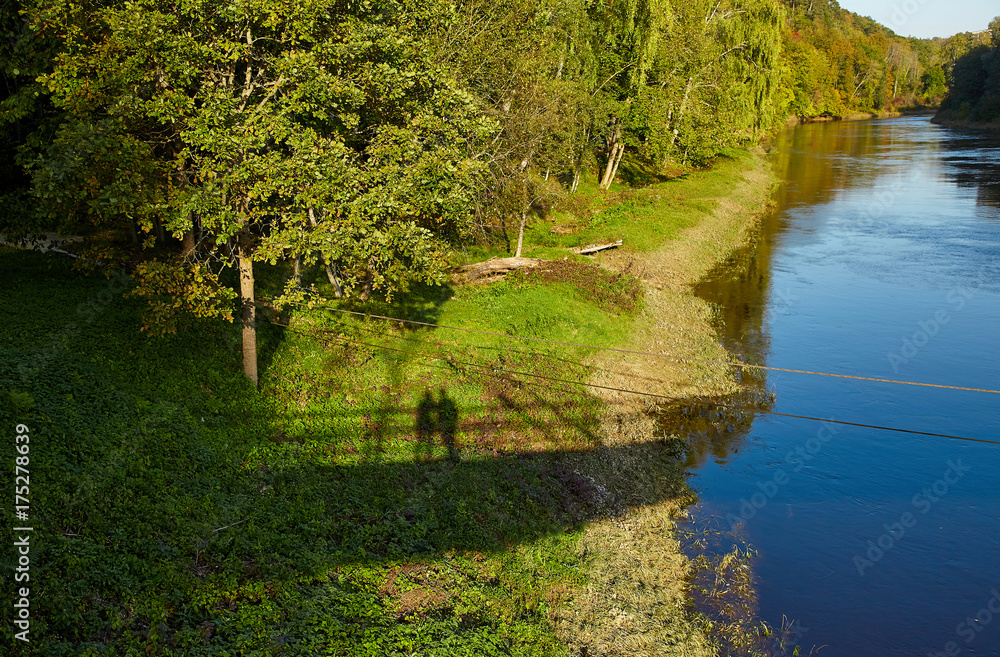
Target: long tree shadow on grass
198, 518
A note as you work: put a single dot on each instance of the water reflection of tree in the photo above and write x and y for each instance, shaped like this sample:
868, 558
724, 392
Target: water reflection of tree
974, 162
820, 160
989, 193
738, 290
817, 162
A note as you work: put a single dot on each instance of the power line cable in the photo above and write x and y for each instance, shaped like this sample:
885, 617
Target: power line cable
567, 361
659, 396
677, 358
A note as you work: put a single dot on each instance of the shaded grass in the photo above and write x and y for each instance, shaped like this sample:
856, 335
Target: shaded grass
179, 511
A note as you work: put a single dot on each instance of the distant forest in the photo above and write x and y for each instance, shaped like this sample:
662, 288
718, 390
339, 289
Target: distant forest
974, 94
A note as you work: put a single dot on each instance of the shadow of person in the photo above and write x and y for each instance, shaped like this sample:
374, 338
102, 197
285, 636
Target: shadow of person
436, 416
448, 423
425, 427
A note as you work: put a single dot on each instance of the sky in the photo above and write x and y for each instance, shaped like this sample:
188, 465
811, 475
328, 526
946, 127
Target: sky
927, 18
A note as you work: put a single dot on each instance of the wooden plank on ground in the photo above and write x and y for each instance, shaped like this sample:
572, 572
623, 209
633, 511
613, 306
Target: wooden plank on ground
594, 248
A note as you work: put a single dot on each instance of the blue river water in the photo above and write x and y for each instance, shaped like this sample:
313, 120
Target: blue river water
882, 260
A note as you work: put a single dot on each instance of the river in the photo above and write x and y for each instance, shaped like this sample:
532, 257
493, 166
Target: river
881, 259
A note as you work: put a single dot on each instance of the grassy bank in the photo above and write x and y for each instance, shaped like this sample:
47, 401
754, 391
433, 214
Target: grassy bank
391, 489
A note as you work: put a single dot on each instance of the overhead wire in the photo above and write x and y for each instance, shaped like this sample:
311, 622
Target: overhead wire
492, 368
666, 356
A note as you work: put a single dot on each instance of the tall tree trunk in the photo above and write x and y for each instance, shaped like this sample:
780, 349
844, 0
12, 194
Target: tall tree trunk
367, 285
618, 160
249, 314
331, 274
520, 235
331, 270
683, 108
183, 181
607, 168
297, 270
612, 154
187, 246
576, 179
614, 159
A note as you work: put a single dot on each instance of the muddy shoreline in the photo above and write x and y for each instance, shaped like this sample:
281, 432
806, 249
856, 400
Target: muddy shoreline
639, 598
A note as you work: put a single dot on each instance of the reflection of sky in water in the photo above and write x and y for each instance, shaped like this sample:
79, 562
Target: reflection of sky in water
839, 290
910, 200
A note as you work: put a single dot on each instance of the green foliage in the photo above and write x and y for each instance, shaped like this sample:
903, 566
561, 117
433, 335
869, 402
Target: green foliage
974, 96
178, 292
24, 110
376, 138
242, 120
934, 82
956, 47
840, 63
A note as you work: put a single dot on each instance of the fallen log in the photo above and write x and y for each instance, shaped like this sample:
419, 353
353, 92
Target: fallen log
494, 267
594, 248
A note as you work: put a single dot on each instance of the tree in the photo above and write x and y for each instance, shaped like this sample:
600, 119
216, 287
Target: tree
904, 66
25, 114
848, 63
974, 93
719, 73
527, 67
628, 44
933, 81
231, 125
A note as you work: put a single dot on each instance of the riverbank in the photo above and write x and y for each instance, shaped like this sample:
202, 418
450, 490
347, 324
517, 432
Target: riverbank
675, 324
948, 122
794, 120
391, 487
641, 566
